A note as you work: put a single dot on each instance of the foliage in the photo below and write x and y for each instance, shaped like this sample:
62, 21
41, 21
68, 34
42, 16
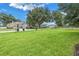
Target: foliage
37, 16
72, 10
58, 17
6, 18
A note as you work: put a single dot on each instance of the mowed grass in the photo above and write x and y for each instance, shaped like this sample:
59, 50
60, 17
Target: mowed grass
43, 42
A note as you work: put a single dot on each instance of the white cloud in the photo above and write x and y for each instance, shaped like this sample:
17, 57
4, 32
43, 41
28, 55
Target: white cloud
3, 10
26, 6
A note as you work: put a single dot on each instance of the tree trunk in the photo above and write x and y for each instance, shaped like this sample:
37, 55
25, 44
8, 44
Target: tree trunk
38, 25
62, 23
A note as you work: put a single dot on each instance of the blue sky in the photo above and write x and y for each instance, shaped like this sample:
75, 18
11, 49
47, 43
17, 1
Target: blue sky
20, 12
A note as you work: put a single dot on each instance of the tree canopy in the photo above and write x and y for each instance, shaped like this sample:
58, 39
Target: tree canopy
37, 16
7, 18
58, 17
72, 10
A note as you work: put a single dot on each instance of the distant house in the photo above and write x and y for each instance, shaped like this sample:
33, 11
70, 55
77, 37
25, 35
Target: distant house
14, 24
48, 24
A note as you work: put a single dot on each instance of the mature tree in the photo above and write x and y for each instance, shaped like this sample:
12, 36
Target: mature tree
37, 16
72, 10
58, 17
7, 18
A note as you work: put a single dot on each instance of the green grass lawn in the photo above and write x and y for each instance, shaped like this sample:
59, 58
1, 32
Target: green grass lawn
43, 42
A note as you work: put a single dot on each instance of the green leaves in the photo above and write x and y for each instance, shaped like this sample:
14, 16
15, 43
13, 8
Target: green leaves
72, 10
7, 18
37, 16
58, 17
